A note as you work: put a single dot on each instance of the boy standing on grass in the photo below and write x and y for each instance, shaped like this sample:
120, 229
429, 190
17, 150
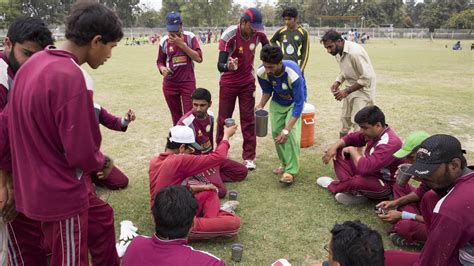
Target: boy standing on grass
236, 54
357, 72
25, 37
283, 81
292, 38
53, 145
201, 121
176, 56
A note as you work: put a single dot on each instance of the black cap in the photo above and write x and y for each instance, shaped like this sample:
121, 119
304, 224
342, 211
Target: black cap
434, 151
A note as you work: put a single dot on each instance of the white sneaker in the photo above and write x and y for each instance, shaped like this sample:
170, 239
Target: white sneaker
349, 199
250, 164
324, 181
230, 206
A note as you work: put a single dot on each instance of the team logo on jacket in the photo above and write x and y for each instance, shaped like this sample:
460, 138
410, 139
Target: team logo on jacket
241, 50
171, 49
284, 86
274, 83
208, 128
252, 46
296, 37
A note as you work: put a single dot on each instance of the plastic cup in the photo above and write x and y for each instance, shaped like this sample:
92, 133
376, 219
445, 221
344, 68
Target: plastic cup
229, 122
237, 250
261, 123
232, 195
402, 176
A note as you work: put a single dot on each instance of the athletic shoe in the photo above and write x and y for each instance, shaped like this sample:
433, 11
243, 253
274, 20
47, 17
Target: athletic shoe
349, 199
230, 206
324, 181
399, 241
250, 164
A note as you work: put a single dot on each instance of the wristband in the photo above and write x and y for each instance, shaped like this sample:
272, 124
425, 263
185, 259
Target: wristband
408, 216
125, 122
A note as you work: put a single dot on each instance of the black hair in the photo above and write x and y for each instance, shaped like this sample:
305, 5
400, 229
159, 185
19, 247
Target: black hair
290, 12
201, 94
30, 29
331, 35
89, 19
355, 244
370, 115
174, 210
271, 54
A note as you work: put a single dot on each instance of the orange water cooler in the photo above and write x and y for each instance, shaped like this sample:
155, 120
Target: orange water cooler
307, 125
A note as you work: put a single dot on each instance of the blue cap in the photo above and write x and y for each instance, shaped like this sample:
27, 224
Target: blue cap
173, 21
254, 16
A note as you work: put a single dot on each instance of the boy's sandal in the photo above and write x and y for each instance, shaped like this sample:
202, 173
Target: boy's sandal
287, 178
279, 170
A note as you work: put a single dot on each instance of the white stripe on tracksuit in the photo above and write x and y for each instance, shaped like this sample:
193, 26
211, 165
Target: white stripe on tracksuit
68, 229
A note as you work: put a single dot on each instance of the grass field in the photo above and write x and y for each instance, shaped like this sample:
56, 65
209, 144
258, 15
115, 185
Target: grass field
421, 85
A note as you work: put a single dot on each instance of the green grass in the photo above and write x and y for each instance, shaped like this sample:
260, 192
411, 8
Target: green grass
420, 85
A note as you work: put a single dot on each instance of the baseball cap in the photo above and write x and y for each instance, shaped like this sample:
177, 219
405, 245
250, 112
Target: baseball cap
411, 142
183, 135
254, 16
434, 151
173, 21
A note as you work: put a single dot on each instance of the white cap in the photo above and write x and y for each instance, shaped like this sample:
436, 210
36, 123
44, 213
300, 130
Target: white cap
182, 134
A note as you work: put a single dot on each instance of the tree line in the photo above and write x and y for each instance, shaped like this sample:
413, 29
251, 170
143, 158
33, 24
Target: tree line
457, 14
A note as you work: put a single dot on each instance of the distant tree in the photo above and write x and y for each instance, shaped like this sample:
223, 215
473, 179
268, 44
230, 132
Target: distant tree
435, 14
127, 10
8, 12
52, 12
461, 20
150, 18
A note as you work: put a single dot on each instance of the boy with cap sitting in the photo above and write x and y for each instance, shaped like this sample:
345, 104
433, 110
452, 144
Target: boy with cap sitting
404, 211
177, 163
440, 163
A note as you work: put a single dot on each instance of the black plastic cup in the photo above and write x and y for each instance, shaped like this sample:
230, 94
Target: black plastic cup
237, 250
232, 195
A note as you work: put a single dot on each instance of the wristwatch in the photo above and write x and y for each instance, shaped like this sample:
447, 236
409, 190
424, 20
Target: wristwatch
285, 132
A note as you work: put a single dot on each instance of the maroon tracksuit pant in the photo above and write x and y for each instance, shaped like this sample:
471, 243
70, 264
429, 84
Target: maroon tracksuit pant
210, 221
69, 239
228, 171
349, 179
227, 98
116, 180
178, 98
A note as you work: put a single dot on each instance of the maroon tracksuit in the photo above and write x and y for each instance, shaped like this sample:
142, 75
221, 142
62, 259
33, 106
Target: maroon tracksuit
229, 170
171, 169
178, 87
450, 226
411, 230
6, 80
239, 84
116, 179
151, 251
373, 176
52, 147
